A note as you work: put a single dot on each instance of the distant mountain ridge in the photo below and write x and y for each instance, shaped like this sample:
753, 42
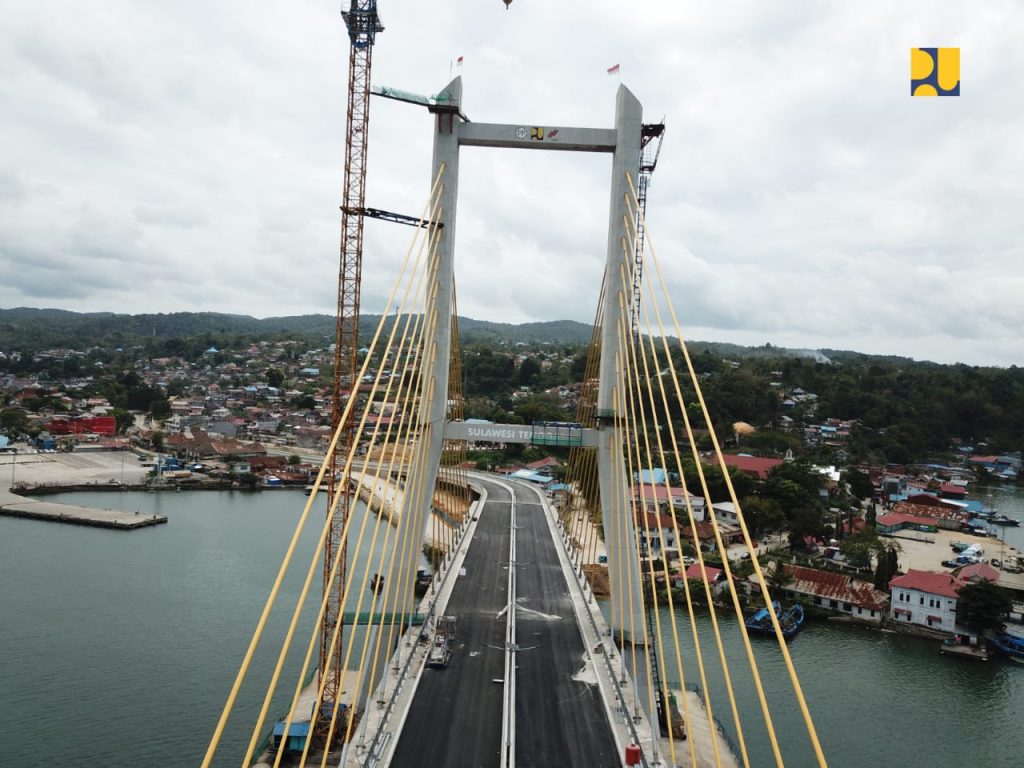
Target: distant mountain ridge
30, 329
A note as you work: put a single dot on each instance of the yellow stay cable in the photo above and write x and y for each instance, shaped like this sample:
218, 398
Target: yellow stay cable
644, 430
361, 667
700, 556
631, 438
625, 600
369, 508
314, 562
344, 672
392, 549
399, 542
733, 590
289, 553
707, 589
805, 712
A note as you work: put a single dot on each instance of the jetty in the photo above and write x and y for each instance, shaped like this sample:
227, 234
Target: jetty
12, 505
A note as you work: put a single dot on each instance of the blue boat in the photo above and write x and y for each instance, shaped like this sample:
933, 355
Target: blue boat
790, 620
1008, 645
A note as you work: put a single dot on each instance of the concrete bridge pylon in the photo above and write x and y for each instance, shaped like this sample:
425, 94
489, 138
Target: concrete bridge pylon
623, 142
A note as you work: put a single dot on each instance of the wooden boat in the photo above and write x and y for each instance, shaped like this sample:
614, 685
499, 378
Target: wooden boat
790, 620
1009, 645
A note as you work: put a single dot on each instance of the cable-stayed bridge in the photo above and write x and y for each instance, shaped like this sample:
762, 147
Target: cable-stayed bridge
456, 621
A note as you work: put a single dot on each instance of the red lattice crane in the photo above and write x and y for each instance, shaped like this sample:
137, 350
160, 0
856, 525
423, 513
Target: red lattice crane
363, 24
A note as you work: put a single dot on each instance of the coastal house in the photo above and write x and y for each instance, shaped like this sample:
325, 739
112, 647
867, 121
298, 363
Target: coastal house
836, 592
978, 572
655, 496
656, 533
925, 598
715, 577
546, 466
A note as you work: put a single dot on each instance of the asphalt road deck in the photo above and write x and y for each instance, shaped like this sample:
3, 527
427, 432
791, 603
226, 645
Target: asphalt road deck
455, 718
559, 720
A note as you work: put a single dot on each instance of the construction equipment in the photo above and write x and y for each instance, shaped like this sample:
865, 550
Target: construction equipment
651, 136
363, 23
440, 647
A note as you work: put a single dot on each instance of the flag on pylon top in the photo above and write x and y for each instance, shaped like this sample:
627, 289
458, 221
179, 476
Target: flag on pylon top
458, 62
613, 70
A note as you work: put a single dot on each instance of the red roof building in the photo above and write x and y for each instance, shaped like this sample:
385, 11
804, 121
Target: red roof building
755, 466
925, 598
897, 521
978, 572
714, 574
837, 591
944, 584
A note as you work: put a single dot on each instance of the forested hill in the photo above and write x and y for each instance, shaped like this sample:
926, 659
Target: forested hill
31, 330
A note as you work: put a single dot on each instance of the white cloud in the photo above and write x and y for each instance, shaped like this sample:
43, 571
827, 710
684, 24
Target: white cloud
188, 156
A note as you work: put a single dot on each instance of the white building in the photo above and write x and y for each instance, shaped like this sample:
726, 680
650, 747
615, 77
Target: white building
925, 598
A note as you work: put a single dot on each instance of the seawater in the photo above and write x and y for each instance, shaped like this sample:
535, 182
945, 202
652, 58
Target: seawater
119, 649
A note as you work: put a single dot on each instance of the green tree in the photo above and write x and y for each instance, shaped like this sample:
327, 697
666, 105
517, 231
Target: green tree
888, 566
160, 408
778, 577
793, 484
123, 419
294, 459
861, 548
860, 484
14, 422
304, 401
761, 514
157, 440
529, 371
805, 521
982, 605
540, 408
275, 378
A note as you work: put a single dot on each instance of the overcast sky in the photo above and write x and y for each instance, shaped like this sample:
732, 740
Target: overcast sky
162, 157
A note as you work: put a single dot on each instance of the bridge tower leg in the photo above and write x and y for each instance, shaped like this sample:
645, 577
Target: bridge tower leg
436, 355
615, 484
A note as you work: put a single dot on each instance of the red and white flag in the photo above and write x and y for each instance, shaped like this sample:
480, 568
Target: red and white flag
458, 62
613, 70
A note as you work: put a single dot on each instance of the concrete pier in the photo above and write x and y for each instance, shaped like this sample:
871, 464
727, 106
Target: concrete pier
96, 470
12, 505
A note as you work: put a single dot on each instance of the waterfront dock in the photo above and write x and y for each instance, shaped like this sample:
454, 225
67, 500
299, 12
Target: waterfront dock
12, 505
72, 471
963, 650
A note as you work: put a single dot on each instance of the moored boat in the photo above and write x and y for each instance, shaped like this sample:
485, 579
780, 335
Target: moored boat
1009, 645
790, 621
1003, 520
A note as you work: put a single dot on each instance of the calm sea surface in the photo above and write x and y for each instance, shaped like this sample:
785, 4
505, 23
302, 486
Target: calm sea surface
118, 649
